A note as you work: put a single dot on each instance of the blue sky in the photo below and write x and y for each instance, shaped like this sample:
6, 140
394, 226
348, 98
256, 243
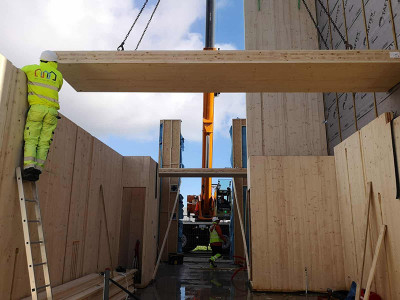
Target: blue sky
229, 30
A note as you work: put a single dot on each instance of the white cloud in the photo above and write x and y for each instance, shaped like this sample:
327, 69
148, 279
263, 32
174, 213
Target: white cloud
29, 26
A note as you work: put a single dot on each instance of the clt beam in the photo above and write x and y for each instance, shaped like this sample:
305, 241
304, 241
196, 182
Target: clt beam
231, 71
226, 172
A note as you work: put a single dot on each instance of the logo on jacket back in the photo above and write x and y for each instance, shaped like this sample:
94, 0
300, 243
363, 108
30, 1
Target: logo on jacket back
45, 74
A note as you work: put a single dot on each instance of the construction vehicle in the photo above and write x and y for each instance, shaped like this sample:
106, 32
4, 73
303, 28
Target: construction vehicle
207, 204
196, 229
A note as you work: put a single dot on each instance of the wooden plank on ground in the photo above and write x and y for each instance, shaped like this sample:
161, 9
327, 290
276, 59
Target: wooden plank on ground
230, 71
201, 172
88, 287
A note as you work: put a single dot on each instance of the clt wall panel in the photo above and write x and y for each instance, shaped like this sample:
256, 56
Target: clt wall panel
238, 125
14, 281
106, 171
141, 220
78, 209
367, 156
69, 191
283, 124
55, 195
295, 224
169, 157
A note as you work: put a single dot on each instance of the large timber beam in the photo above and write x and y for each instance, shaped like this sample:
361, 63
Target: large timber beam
225, 172
231, 71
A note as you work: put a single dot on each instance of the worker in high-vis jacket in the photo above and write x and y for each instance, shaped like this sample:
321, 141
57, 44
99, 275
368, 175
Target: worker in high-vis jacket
216, 241
44, 83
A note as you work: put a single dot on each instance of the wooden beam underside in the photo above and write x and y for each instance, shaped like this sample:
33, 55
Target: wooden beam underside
230, 71
225, 172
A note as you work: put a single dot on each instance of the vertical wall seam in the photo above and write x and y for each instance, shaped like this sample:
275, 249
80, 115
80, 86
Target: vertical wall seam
351, 210
85, 225
69, 206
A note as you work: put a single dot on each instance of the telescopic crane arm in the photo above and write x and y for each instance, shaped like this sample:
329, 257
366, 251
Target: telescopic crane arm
206, 209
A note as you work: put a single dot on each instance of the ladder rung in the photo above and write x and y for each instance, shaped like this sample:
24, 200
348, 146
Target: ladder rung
42, 287
39, 264
34, 221
33, 243
28, 200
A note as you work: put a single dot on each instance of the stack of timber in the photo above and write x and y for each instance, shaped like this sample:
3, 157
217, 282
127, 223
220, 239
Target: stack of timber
283, 124
169, 157
367, 156
80, 194
239, 160
91, 287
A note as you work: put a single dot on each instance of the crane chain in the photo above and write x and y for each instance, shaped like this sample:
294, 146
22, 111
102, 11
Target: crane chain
315, 24
348, 46
121, 47
148, 23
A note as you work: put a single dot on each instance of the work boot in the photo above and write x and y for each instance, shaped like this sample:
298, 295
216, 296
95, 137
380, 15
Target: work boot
29, 174
37, 172
212, 263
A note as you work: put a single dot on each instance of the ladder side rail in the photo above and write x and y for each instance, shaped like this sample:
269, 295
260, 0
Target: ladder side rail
42, 245
24, 220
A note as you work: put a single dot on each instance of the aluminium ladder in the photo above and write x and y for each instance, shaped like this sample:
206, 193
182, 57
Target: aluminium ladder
28, 243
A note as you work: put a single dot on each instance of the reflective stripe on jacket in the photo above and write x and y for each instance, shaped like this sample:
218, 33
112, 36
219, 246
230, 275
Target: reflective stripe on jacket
214, 236
44, 83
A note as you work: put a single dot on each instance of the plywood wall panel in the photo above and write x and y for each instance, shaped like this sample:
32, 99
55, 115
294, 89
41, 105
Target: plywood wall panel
151, 226
12, 250
237, 159
69, 191
133, 218
368, 156
283, 124
169, 157
55, 195
295, 223
107, 171
78, 210
140, 176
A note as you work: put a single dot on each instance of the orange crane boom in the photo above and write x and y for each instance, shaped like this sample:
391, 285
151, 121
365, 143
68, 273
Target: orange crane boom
206, 207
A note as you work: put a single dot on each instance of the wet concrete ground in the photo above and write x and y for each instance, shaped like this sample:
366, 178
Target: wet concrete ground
195, 280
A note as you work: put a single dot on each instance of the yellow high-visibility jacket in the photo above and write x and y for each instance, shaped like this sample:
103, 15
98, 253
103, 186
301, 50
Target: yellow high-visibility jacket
215, 232
44, 83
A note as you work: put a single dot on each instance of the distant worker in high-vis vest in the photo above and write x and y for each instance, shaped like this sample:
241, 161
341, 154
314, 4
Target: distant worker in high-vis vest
44, 83
216, 241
